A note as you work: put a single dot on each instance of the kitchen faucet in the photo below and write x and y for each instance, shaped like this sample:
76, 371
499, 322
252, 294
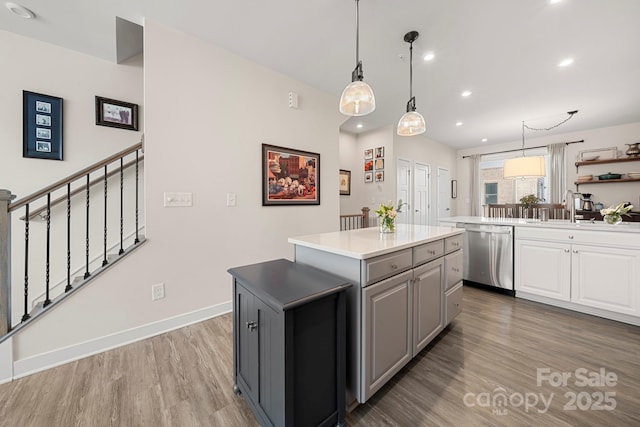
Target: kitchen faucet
569, 199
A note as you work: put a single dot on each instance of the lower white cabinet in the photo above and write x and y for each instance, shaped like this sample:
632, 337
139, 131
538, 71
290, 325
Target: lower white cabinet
581, 268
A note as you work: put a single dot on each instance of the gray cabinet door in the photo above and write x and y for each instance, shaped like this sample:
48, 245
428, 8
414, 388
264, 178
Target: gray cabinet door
453, 269
387, 330
428, 289
247, 340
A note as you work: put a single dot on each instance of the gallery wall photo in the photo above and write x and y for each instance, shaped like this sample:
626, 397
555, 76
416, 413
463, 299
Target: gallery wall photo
42, 126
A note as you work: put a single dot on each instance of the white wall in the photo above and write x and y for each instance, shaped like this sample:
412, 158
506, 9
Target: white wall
35, 66
608, 194
198, 102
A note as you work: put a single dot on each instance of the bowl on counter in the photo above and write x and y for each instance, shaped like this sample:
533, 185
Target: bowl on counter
634, 175
609, 175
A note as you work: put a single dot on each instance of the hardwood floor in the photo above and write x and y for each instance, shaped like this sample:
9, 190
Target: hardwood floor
493, 349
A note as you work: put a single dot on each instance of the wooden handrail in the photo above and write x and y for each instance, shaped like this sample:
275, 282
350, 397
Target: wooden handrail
346, 220
38, 211
57, 185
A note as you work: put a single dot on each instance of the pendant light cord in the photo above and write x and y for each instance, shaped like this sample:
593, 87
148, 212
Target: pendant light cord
357, 33
570, 113
410, 70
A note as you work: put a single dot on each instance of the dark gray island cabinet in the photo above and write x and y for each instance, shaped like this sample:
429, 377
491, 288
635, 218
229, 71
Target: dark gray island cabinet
289, 343
408, 288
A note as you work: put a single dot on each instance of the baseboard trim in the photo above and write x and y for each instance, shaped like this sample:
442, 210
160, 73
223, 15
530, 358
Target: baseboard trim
51, 359
6, 361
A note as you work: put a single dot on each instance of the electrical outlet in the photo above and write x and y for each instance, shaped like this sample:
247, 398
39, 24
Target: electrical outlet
178, 199
157, 291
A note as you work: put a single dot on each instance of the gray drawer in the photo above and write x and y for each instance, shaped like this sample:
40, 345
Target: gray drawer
453, 302
453, 269
427, 252
384, 266
453, 243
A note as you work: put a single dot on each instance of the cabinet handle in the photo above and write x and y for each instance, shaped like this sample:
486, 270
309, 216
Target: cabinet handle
432, 252
575, 251
394, 266
566, 251
571, 237
252, 326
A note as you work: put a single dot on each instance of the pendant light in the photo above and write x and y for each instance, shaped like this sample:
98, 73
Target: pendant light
357, 98
412, 122
523, 167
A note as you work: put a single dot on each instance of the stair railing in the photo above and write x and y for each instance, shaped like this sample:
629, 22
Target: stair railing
83, 183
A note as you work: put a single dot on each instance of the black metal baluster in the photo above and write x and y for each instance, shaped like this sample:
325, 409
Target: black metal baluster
68, 287
137, 240
86, 273
26, 264
104, 260
47, 299
121, 251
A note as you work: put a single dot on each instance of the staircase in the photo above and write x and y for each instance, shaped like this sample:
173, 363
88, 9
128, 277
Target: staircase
73, 230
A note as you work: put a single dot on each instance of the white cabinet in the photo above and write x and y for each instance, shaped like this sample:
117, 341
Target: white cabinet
606, 278
584, 269
543, 268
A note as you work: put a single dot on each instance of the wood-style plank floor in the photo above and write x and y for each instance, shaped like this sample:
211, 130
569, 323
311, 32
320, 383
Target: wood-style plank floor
481, 371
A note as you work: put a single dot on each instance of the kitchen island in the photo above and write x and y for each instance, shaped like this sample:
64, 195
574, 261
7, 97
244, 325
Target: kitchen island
407, 288
590, 267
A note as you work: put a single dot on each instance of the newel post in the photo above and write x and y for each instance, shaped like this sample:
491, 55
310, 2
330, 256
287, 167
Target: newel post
365, 217
5, 261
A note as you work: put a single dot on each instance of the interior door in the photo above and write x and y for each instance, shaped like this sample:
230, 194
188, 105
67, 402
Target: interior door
421, 185
403, 191
444, 195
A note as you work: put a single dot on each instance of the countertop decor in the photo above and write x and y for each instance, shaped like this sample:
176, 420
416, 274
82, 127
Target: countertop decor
387, 216
613, 214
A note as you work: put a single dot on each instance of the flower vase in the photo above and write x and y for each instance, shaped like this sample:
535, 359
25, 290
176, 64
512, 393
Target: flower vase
612, 219
387, 225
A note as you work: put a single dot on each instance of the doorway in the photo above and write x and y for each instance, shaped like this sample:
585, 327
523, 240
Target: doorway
444, 197
421, 184
414, 192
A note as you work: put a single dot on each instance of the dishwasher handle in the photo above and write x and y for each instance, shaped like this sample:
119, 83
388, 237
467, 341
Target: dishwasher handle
488, 229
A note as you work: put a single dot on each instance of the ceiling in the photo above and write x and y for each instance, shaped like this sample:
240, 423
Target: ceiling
506, 52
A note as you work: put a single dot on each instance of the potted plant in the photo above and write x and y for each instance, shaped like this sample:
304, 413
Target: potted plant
527, 201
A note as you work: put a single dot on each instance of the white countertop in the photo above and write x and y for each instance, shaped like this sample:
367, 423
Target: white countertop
369, 242
624, 227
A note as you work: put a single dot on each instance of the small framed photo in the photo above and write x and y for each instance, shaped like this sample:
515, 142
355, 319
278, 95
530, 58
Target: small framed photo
41, 126
116, 114
379, 164
289, 176
379, 152
345, 182
379, 176
368, 154
368, 165
454, 188
368, 177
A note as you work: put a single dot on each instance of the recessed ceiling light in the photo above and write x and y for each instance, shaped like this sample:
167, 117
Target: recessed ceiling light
429, 56
565, 62
554, 1
459, 123
466, 93
359, 125
21, 11
484, 139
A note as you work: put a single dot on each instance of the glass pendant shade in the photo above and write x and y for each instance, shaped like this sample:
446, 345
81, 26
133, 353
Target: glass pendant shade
357, 99
524, 167
411, 123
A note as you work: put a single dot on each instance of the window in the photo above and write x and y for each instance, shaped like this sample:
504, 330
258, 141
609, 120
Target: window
495, 189
490, 193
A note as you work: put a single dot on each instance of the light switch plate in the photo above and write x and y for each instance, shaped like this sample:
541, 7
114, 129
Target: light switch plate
231, 199
178, 199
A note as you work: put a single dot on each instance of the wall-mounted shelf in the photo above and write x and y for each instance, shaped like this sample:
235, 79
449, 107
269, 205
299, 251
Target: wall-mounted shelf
604, 162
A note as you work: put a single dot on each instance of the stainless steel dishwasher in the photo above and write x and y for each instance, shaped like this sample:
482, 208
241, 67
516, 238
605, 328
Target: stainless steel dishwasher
488, 255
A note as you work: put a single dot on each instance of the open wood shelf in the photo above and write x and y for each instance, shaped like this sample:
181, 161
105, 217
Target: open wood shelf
603, 181
605, 161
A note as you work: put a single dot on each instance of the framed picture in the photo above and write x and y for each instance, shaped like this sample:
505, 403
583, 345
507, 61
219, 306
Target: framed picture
368, 177
379, 152
454, 188
379, 164
41, 126
368, 165
116, 114
289, 177
379, 176
368, 154
345, 182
